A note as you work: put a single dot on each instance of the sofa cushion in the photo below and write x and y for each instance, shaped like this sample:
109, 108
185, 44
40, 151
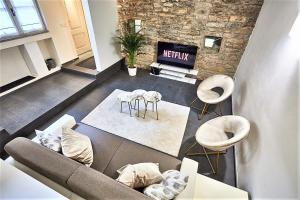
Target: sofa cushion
133, 153
42, 160
104, 145
77, 146
139, 175
90, 184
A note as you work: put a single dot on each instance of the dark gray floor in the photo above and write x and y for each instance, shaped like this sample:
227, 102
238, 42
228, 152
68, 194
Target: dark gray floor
24, 105
172, 91
88, 63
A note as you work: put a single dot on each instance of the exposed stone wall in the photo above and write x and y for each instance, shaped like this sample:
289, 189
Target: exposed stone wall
188, 21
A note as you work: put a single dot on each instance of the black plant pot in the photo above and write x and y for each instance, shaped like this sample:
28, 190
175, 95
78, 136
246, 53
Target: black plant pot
155, 70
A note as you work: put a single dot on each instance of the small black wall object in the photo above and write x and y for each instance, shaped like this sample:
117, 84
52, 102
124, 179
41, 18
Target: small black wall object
50, 62
155, 70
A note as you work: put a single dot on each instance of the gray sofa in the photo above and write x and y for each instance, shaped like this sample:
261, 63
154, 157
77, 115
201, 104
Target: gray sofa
97, 182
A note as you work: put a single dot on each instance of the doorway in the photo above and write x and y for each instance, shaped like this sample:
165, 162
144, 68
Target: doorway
78, 26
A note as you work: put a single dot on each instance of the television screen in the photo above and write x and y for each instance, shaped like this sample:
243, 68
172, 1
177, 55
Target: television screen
178, 55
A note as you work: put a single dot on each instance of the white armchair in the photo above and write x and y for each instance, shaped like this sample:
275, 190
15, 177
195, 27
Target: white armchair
208, 96
215, 135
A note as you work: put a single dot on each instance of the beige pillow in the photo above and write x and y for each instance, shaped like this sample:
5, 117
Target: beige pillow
140, 175
77, 146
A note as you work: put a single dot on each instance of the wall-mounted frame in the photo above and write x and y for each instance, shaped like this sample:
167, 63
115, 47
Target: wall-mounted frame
213, 42
135, 25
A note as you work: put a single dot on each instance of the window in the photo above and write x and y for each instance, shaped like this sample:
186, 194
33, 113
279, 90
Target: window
20, 18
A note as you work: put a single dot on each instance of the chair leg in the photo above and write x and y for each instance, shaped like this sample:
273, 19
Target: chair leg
192, 104
152, 106
211, 166
138, 114
134, 104
217, 162
145, 108
205, 107
206, 154
220, 108
190, 147
121, 106
201, 111
156, 111
129, 106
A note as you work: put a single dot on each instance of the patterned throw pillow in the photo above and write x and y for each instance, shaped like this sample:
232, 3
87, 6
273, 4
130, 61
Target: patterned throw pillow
173, 183
49, 140
139, 175
158, 192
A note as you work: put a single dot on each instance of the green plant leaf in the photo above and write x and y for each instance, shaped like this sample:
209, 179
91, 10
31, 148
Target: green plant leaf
132, 43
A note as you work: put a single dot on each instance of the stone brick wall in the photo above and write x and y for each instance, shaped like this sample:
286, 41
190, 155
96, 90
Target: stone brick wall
188, 21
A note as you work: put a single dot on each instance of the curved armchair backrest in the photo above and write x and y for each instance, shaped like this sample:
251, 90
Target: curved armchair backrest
205, 93
218, 127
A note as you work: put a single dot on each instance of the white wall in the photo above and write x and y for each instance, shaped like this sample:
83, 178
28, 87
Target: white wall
266, 93
102, 22
12, 66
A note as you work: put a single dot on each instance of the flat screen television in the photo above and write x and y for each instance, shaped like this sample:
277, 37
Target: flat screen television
178, 55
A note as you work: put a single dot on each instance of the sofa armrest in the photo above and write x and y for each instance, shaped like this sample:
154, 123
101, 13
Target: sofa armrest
42, 160
66, 121
188, 167
91, 184
55, 186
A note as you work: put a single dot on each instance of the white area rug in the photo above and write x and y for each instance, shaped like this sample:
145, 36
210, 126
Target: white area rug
164, 134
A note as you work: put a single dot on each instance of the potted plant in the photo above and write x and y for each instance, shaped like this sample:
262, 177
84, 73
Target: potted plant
131, 42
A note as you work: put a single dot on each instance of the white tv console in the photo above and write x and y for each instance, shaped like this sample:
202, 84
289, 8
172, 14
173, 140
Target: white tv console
176, 73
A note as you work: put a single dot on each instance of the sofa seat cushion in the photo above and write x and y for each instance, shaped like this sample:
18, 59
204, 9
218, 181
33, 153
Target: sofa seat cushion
133, 153
93, 185
104, 145
42, 160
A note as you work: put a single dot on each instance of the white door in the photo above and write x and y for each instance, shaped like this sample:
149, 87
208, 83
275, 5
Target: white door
78, 25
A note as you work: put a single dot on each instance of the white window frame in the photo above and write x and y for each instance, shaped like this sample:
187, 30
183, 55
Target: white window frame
20, 33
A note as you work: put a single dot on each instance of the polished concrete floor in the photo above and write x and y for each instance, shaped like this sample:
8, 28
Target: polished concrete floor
88, 63
26, 104
172, 91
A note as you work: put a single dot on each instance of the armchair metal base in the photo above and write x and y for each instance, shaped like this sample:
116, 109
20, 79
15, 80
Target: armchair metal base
206, 154
203, 110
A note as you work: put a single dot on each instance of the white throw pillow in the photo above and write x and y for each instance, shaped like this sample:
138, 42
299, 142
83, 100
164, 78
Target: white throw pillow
49, 140
140, 175
173, 183
77, 146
